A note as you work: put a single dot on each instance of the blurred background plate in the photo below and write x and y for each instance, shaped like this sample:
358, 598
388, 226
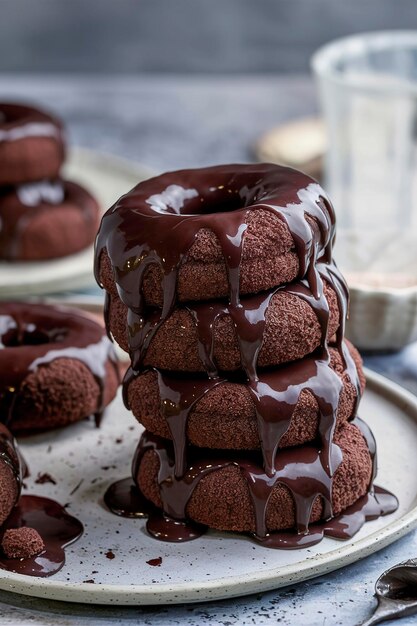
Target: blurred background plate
107, 177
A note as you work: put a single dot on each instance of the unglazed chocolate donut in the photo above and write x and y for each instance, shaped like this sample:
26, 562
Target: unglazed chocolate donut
221, 492
10, 473
46, 220
56, 366
292, 330
256, 226
31, 144
222, 414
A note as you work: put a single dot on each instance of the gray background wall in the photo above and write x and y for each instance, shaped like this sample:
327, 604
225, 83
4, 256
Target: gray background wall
183, 35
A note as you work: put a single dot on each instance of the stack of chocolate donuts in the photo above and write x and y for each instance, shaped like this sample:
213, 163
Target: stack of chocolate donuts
42, 216
220, 285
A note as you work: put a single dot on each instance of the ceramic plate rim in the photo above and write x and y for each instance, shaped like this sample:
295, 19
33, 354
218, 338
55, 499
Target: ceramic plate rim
234, 586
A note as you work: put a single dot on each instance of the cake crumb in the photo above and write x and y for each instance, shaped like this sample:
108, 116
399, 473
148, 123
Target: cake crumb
22, 543
45, 478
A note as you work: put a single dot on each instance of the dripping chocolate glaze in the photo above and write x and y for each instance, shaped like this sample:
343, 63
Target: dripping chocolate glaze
275, 393
156, 223
298, 469
34, 335
20, 204
57, 528
170, 211
9, 454
174, 207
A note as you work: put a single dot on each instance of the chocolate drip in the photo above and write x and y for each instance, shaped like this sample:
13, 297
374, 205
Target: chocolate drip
276, 395
178, 396
173, 208
57, 529
166, 528
36, 335
374, 504
124, 498
19, 205
10, 455
300, 470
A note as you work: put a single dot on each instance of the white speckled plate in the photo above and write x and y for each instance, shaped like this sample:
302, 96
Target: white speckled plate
107, 177
217, 565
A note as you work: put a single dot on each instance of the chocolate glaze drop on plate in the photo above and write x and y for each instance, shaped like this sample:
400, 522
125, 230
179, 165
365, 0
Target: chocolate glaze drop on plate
57, 528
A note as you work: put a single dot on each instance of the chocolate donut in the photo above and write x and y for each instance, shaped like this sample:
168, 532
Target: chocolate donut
46, 220
31, 144
226, 491
10, 473
212, 233
204, 336
56, 366
222, 414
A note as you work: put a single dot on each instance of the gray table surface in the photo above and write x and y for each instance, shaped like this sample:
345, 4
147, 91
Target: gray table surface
167, 123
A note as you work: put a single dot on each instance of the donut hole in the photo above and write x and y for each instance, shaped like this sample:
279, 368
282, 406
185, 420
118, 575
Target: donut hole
207, 205
178, 200
32, 335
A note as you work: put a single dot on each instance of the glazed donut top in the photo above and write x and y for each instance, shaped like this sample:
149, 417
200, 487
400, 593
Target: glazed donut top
18, 121
20, 204
9, 455
34, 335
158, 220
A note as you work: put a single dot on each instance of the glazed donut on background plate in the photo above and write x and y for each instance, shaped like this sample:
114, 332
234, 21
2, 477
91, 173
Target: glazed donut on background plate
31, 144
46, 220
57, 366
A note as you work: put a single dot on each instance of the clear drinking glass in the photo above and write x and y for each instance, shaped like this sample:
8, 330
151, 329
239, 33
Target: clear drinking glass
368, 91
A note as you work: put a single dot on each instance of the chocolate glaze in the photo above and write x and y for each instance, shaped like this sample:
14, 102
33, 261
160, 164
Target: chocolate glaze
178, 396
166, 528
299, 470
32, 336
9, 454
374, 504
19, 205
57, 529
124, 498
18, 121
275, 394
157, 222
170, 216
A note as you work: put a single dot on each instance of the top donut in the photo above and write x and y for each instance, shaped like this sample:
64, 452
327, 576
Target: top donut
214, 232
31, 144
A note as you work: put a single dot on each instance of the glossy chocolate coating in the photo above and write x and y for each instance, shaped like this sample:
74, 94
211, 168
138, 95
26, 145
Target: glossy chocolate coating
34, 335
9, 454
157, 222
293, 469
20, 205
57, 528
